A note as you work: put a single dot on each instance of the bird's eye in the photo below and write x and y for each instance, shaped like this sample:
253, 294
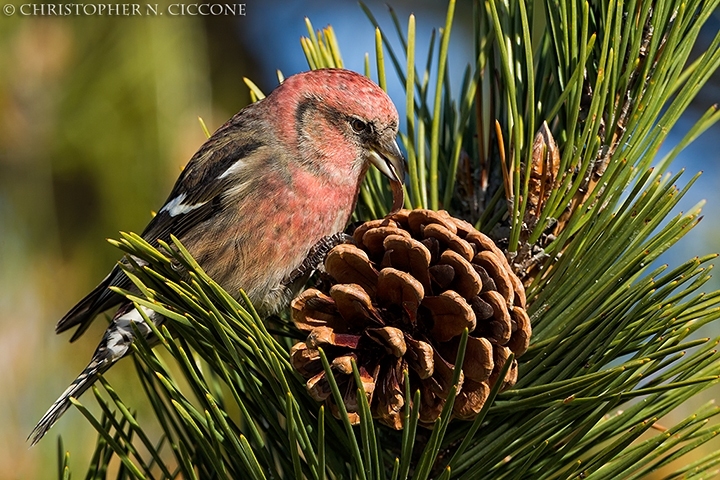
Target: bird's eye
358, 125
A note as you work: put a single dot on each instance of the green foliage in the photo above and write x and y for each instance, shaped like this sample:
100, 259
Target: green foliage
615, 344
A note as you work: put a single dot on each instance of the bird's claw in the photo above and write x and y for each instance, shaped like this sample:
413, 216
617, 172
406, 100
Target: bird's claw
316, 256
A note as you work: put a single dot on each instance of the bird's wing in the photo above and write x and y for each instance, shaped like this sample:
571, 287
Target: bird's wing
98, 300
199, 192
196, 197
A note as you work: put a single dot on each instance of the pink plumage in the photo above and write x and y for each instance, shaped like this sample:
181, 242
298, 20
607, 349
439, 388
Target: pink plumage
275, 180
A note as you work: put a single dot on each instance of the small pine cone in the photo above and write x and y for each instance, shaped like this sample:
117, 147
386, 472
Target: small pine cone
399, 300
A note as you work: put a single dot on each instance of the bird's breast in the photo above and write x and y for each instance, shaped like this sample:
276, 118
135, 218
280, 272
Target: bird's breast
264, 237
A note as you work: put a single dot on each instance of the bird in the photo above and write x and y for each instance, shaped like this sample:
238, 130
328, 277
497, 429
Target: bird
261, 196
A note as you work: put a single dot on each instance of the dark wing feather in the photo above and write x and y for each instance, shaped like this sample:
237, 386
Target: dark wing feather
200, 184
98, 300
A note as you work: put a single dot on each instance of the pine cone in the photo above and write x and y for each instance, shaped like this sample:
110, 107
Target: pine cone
400, 300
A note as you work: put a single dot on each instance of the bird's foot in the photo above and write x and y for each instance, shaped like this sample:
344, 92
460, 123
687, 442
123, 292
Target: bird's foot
316, 256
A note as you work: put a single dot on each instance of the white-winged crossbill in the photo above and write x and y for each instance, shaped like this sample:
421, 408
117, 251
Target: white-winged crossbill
279, 177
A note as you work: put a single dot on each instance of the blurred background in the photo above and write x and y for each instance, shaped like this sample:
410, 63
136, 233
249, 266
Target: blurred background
97, 116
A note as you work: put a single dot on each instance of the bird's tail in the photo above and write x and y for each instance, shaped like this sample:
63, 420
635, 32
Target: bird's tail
76, 388
114, 345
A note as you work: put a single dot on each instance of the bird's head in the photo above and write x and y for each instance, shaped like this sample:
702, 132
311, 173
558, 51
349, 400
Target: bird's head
343, 122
